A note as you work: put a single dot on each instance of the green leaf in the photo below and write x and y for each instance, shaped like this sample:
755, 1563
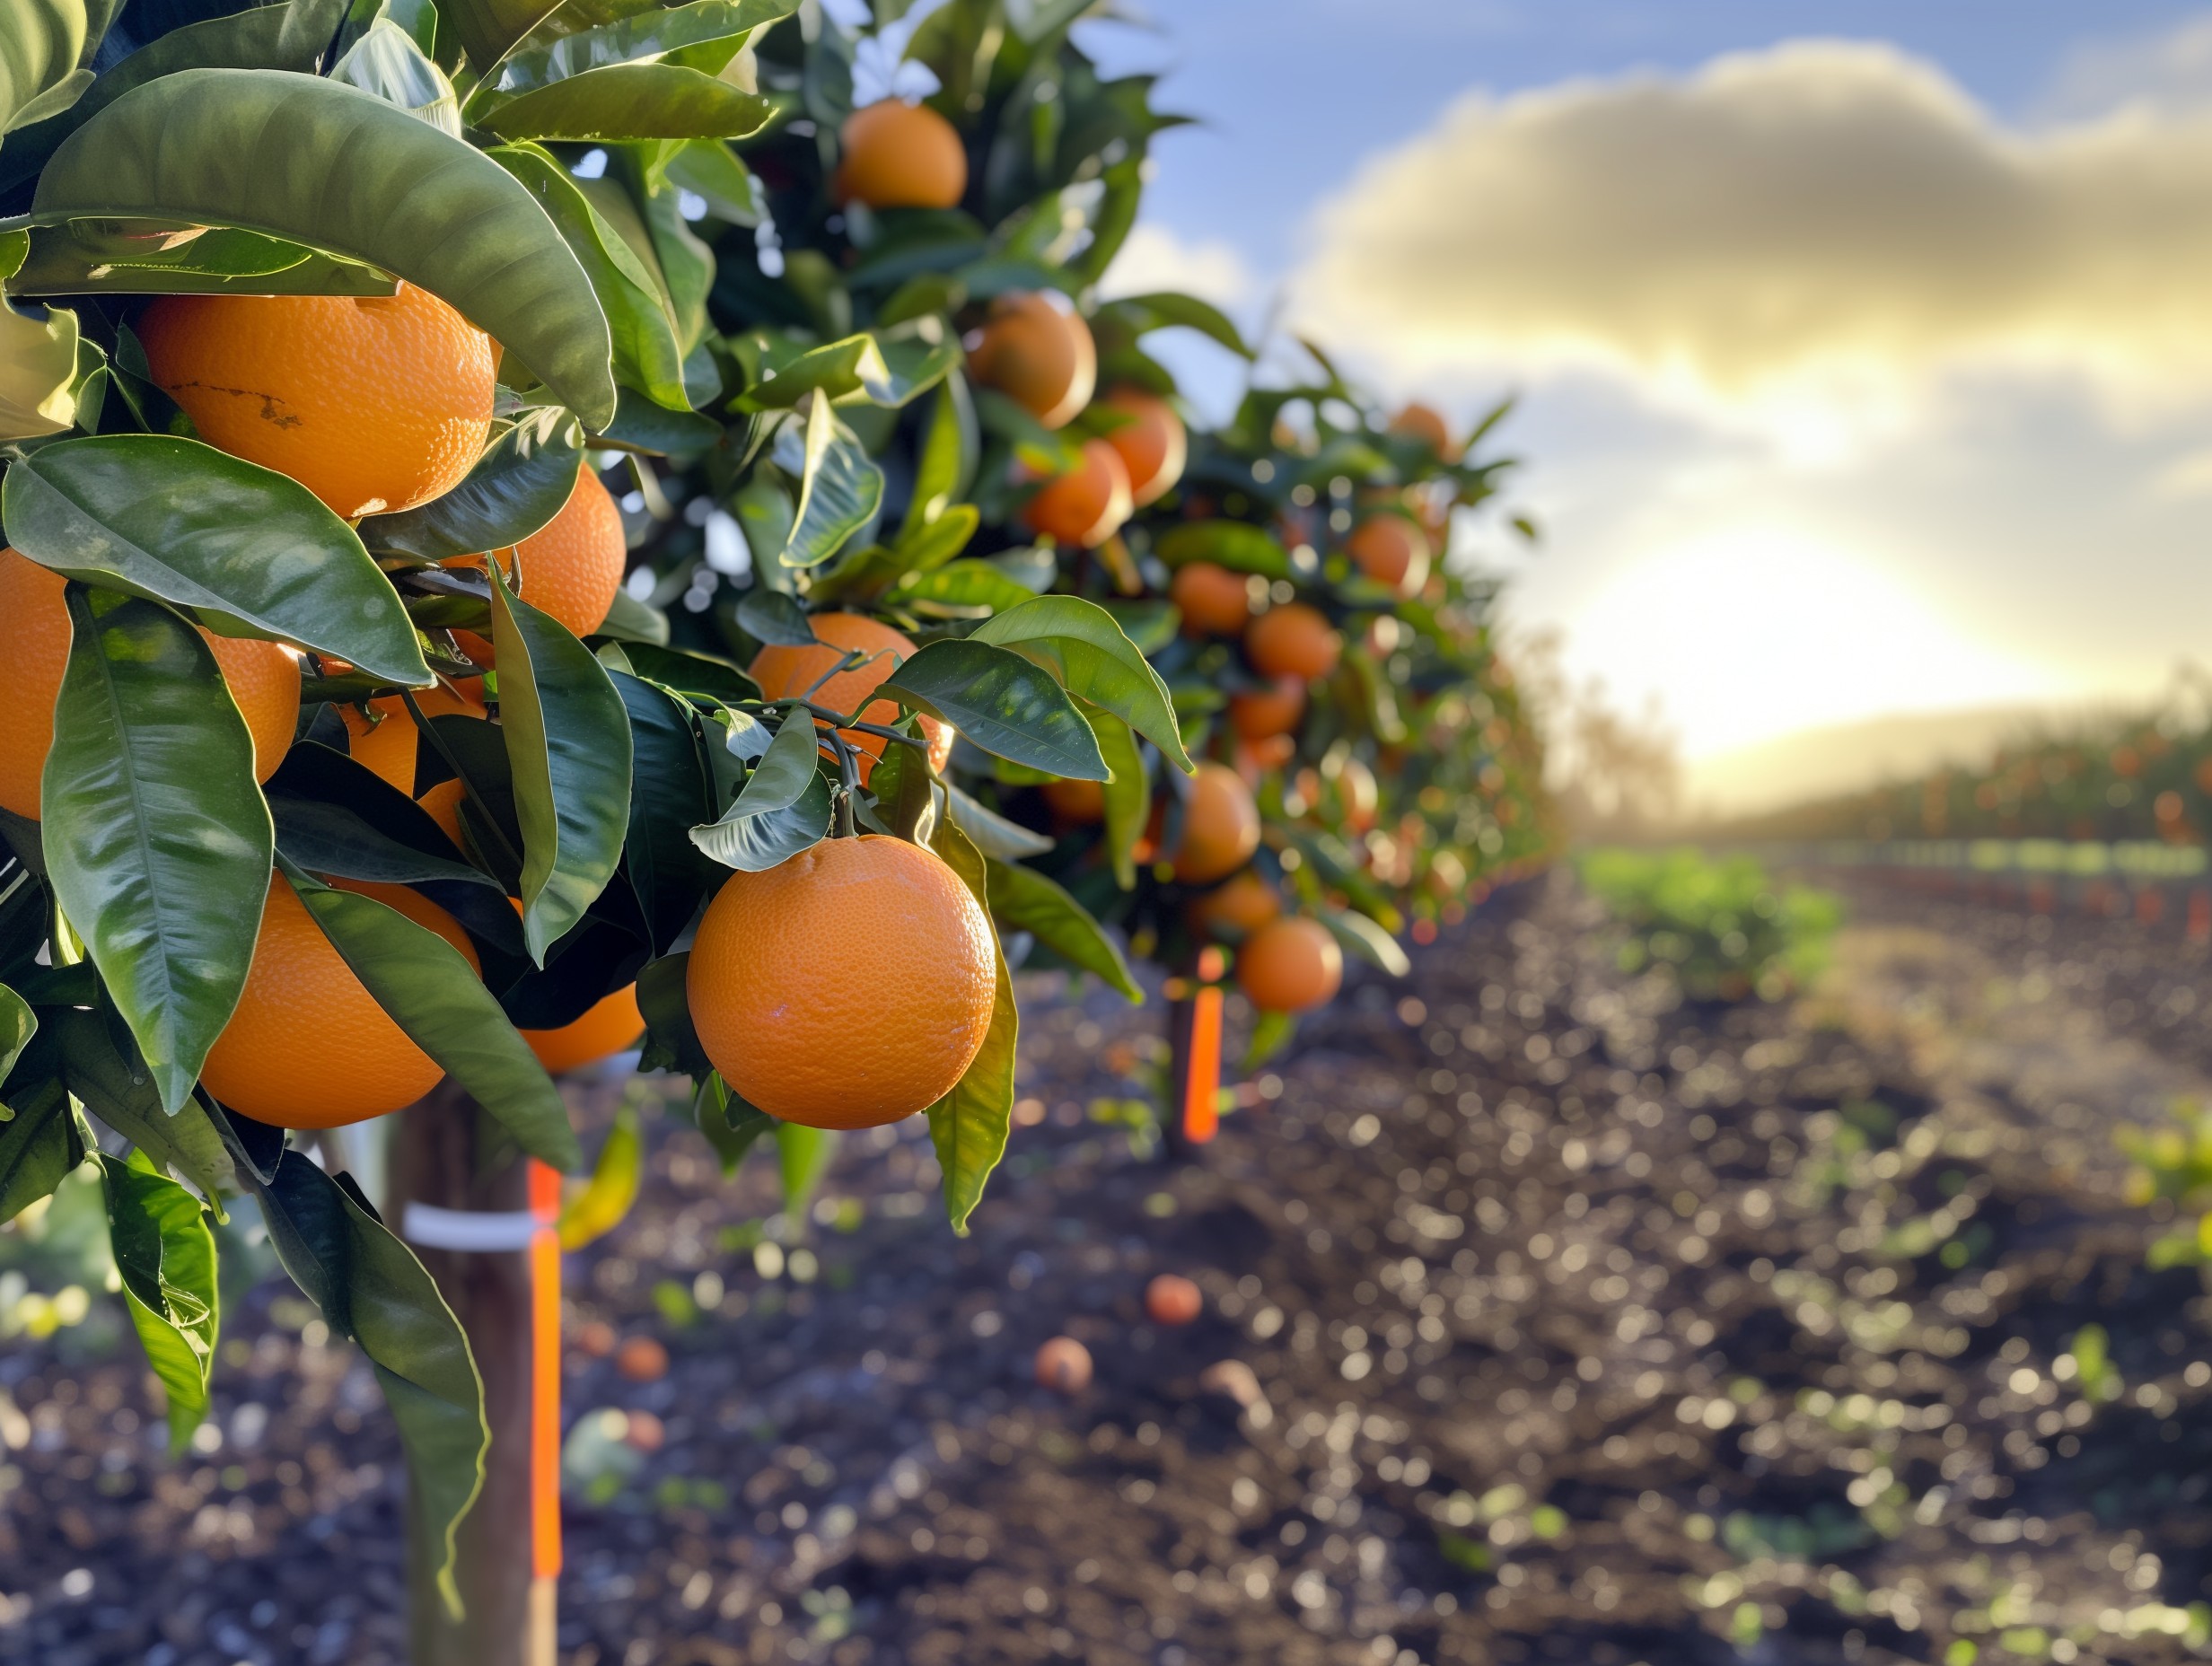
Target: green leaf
157, 841
992, 833
39, 1145
671, 1042
1081, 645
669, 796
569, 744
632, 101
41, 42
691, 673
37, 371
371, 1288
1162, 310
771, 616
1363, 937
1003, 703
1271, 1033
599, 1208
731, 1127
713, 171
121, 1093
754, 844
520, 483
1129, 794
630, 620
840, 490
642, 335
780, 779
946, 466
304, 158
641, 424
803, 1156
1236, 545
18, 1024
166, 1259
1026, 900
386, 61
970, 1125
432, 993
175, 521
490, 28
839, 368
649, 34
970, 583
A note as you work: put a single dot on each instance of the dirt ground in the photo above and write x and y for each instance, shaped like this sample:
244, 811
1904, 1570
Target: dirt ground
1573, 1323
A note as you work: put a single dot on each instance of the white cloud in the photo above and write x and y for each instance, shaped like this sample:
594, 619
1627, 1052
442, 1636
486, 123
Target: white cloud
2169, 72
1154, 259
1811, 232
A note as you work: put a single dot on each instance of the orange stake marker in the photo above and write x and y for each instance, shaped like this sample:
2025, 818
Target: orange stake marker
545, 1397
1202, 1084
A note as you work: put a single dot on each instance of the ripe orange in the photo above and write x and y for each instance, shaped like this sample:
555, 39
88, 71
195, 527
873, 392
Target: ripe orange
374, 403
308, 1046
1212, 600
1086, 505
1294, 640
263, 678
570, 567
846, 987
1290, 965
1038, 355
1152, 444
613, 1025
1424, 422
900, 155
1064, 1364
1390, 550
1221, 826
786, 672
1244, 903
1076, 804
384, 740
1170, 1299
1260, 716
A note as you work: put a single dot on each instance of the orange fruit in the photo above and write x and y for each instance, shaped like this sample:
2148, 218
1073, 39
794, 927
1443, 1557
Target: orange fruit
1038, 355
1152, 444
900, 155
786, 672
642, 1359
1261, 716
441, 804
1290, 965
383, 740
1221, 826
1086, 505
1390, 550
308, 1046
1424, 422
570, 567
612, 1026
846, 987
374, 403
1170, 1299
1244, 903
1212, 600
1294, 640
263, 678
1064, 1364
1076, 804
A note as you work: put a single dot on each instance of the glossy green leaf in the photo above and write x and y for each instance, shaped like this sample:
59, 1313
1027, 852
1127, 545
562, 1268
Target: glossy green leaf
175, 521
121, 1093
1160, 310
157, 841
839, 368
1236, 545
1026, 900
304, 158
731, 1127
632, 101
1271, 1033
780, 779
970, 583
648, 33
929, 547
840, 490
38, 366
18, 1024
688, 672
970, 1125
1002, 702
669, 796
803, 1156
520, 483
1080, 644
432, 993
947, 464
1129, 794
386, 62
916, 356
83, 258
568, 744
39, 1145
645, 354
671, 1041
166, 1259
599, 1208
992, 833
714, 172
755, 843
1365, 938
371, 1288
630, 620
41, 42
772, 616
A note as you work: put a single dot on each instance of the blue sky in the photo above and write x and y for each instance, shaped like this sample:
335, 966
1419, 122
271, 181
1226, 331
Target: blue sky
1988, 484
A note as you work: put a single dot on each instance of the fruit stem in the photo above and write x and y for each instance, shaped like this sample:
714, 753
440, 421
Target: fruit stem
841, 823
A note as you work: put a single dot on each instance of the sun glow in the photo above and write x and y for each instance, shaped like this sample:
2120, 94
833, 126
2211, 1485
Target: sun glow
1748, 633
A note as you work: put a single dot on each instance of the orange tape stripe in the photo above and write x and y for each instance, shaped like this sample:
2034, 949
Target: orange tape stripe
1202, 1085
545, 1405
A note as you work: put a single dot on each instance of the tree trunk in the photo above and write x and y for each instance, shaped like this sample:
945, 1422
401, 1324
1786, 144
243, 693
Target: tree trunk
440, 1157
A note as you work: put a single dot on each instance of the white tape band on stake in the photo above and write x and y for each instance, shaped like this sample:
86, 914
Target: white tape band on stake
471, 1231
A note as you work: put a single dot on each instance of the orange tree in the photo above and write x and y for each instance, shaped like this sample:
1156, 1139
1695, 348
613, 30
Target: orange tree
340, 777
1366, 767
